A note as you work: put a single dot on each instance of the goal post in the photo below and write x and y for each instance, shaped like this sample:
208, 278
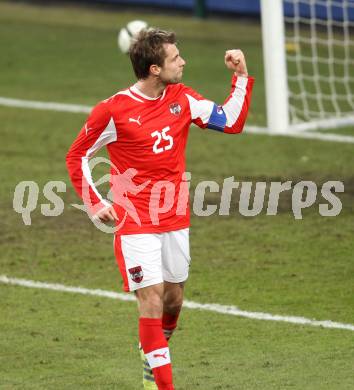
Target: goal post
275, 73
308, 51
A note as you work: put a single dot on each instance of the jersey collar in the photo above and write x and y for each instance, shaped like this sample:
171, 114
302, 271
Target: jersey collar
136, 91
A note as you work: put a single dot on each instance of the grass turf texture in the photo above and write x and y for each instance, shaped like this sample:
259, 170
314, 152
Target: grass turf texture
75, 342
271, 264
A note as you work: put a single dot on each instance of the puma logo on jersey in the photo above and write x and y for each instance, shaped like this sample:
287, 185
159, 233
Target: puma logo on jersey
156, 355
135, 120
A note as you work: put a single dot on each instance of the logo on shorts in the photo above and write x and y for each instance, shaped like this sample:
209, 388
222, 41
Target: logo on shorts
175, 109
136, 274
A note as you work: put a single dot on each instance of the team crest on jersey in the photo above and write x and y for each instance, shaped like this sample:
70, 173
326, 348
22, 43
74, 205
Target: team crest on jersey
175, 108
136, 274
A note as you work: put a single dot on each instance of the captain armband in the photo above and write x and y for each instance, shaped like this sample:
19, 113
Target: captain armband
217, 120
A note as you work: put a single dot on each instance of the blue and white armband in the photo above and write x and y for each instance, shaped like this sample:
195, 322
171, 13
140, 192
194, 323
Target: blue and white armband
217, 120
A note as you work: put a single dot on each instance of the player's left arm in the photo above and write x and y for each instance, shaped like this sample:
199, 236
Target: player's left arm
231, 116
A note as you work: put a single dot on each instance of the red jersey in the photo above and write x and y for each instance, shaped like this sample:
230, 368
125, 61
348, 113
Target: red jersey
146, 140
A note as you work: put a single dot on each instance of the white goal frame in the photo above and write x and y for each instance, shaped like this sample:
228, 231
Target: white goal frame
276, 77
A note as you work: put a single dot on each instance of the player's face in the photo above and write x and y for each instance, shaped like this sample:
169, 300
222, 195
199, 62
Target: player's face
172, 70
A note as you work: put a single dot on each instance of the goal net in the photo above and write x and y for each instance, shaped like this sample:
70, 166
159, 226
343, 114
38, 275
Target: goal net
318, 36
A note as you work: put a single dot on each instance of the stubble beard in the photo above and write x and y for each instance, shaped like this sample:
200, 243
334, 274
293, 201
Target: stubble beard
173, 80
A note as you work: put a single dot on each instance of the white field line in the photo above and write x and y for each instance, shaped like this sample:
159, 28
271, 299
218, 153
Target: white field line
76, 108
216, 308
301, 134
52, 106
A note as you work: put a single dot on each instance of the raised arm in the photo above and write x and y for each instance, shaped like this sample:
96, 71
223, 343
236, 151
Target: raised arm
231, 116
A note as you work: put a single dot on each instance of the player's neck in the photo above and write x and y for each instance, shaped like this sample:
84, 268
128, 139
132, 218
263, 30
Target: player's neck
152, 88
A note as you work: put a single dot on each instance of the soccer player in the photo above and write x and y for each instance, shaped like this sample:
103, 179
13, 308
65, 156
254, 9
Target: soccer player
145, 128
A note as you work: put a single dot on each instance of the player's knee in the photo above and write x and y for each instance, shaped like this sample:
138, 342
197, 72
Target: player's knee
150, 303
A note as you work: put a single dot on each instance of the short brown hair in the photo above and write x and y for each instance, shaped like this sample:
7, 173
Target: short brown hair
148, 50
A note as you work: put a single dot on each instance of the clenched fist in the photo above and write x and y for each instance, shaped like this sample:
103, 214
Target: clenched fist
235, 60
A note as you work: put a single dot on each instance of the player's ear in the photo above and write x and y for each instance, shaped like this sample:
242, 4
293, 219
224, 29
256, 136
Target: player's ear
155, 70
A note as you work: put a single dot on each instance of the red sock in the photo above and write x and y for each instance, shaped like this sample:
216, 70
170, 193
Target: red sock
169, 324
156, 351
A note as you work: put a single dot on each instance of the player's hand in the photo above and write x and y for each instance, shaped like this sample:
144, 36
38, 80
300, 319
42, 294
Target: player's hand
107, 215
235, 60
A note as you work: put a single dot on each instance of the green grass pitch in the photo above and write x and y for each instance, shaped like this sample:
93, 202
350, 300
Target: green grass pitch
273, 264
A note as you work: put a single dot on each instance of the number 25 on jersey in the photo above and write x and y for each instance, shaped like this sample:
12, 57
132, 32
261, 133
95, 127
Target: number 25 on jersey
162, 135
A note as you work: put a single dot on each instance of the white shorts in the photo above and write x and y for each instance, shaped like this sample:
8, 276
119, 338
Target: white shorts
148, 259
